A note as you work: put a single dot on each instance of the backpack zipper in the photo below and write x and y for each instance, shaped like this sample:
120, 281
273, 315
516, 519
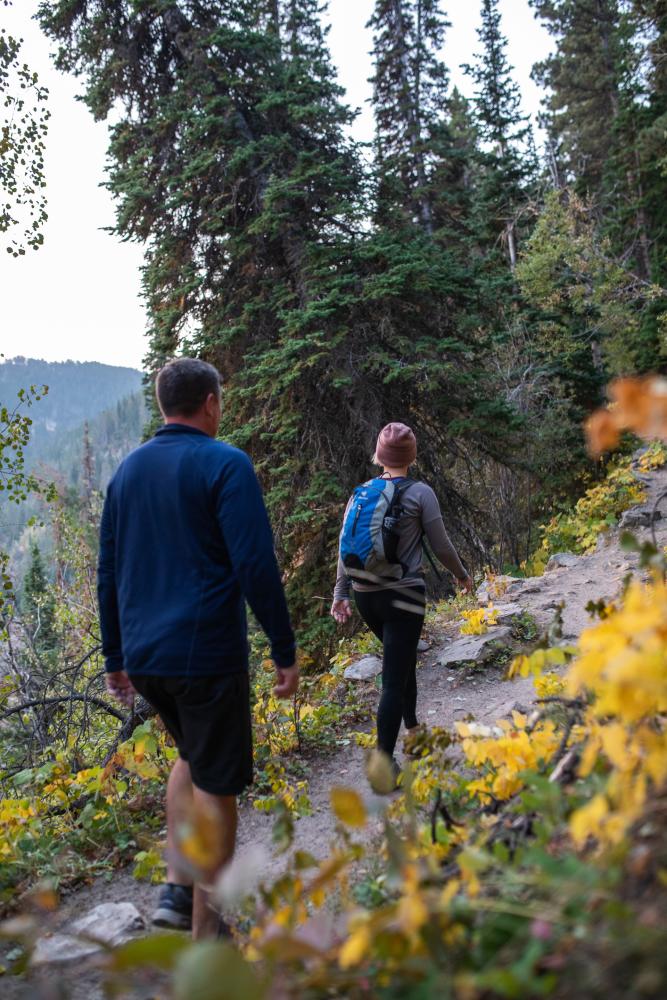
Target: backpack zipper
356, 518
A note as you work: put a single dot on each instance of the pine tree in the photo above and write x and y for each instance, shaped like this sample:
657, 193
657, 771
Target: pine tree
39, 604
583, 81
409, 103
602, 110
649, 152
504, 128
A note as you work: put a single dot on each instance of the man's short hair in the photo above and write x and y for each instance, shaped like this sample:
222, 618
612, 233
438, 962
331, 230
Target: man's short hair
183, 385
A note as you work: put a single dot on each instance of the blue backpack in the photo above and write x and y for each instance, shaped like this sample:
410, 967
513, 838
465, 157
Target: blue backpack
369, 540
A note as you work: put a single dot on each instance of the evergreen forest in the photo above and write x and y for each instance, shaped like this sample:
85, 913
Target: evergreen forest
472, 280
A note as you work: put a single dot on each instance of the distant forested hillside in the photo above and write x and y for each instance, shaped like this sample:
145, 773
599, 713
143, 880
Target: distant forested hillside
106, 438
78, 391
91, 417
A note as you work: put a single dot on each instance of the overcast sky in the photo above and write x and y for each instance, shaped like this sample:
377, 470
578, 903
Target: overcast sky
79, 295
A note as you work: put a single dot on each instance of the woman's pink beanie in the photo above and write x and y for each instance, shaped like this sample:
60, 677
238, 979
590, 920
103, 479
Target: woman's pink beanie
396, 446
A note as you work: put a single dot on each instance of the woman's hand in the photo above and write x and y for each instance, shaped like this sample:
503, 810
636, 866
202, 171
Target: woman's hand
341, 610
466, 584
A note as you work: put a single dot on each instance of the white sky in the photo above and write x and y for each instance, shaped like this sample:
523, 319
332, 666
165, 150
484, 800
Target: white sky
79, 295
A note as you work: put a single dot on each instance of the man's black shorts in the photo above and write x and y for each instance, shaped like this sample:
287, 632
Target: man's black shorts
209, 719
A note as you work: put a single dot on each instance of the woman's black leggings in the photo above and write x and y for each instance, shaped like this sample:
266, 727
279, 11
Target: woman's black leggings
396, 617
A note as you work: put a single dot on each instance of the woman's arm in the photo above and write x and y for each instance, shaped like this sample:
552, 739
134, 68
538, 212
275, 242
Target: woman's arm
340, 608
441, 544
342, 588
437, 537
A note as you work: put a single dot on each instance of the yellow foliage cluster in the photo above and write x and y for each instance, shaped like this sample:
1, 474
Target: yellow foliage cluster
51, 807
654, 457
504, 758
594, 513
597, 510
292, 795
524, 666
617, 688
622, 667
15, 815
478, 621
549, 685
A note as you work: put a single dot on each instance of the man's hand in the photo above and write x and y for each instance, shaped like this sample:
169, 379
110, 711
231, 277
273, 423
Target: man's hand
341, 611
119, 686
287, 682
466, 584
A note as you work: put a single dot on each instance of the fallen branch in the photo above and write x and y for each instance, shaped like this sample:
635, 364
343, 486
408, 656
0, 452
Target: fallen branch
568, 761
43, 702
141, 712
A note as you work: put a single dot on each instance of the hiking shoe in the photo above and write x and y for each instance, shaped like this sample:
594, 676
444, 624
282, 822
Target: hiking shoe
174, 907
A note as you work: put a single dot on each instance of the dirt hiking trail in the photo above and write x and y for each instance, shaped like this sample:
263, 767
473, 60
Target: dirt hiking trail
446, 694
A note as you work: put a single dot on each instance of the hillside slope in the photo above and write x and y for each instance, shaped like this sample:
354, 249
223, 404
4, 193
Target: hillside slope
78, 391
108, 400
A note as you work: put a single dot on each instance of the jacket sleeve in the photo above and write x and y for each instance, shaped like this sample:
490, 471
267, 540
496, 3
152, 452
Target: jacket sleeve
107, 597
247, 533
342, 586
437, 536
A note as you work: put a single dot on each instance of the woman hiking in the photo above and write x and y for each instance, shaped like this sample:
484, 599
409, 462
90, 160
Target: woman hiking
380, 554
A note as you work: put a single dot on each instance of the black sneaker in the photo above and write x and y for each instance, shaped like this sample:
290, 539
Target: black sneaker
174, 907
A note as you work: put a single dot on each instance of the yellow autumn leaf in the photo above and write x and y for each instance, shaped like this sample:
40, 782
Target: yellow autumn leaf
348, 806
587, 821
520, 666
355, 947
450, 890
318, 897
200, 838
411, 912
614, 744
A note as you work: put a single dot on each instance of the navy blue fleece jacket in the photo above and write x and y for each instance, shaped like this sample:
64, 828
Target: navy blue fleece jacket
185, 537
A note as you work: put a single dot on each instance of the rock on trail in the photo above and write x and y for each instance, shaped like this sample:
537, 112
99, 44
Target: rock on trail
365, 669
475, 648
109, 924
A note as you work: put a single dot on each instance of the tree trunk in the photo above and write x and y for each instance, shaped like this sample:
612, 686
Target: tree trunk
643, 256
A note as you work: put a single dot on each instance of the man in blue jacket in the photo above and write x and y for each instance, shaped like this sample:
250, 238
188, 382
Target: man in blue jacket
185, 540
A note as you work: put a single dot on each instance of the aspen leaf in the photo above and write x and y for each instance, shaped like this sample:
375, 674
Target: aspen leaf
587, 821
199, 839
411, 912
348, 806
354, 948
380, 772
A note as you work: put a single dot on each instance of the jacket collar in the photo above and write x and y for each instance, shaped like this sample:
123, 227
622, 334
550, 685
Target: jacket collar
179, 429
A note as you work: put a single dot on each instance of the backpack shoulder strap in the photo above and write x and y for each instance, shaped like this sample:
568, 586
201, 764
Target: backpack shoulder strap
406, 484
